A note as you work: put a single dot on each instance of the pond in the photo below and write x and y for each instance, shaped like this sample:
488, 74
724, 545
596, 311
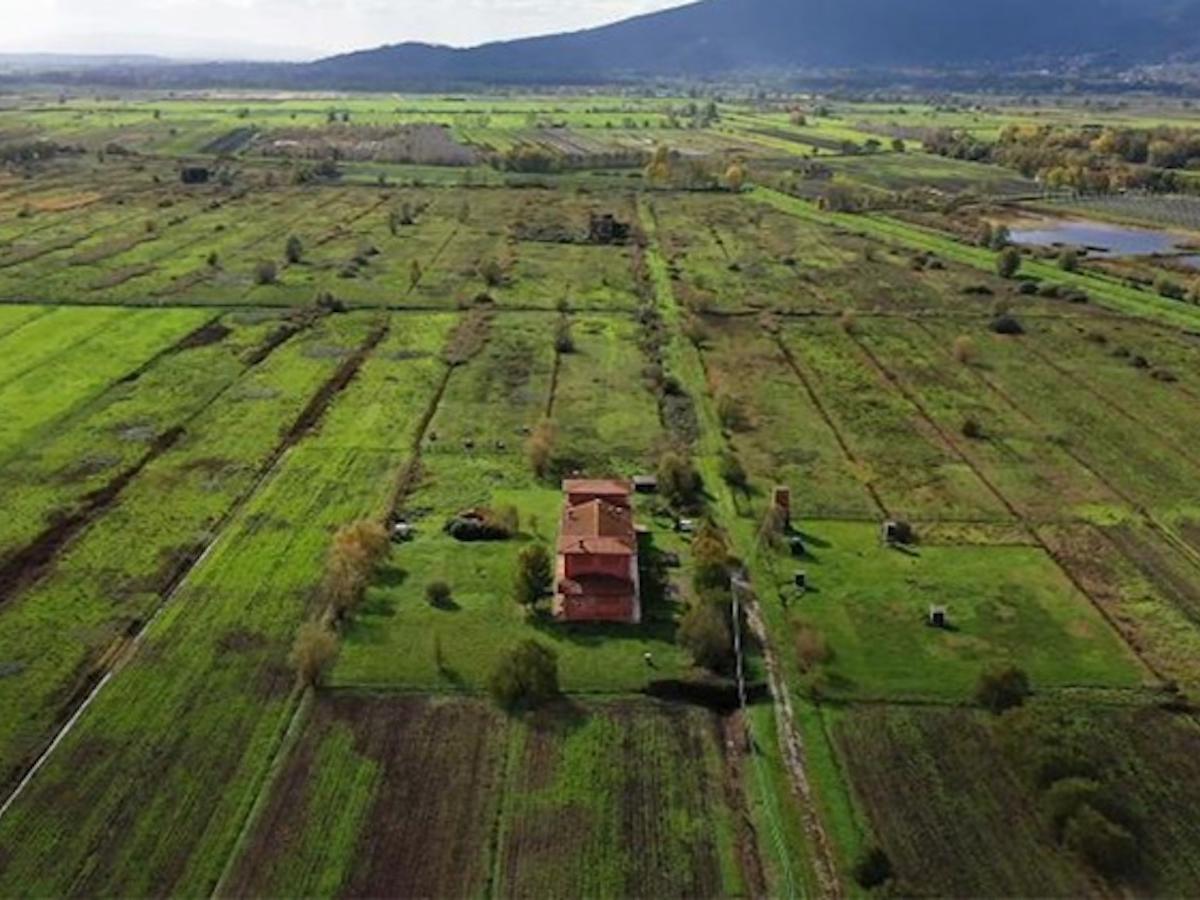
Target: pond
1099, 238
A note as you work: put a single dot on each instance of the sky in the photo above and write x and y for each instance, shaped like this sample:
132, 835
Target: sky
288, 29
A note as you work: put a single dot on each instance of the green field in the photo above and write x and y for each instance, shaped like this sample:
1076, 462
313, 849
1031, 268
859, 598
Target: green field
203, 383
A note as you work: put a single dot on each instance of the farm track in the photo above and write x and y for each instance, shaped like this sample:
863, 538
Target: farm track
815, 399
1029, 526
118, 656
824, 861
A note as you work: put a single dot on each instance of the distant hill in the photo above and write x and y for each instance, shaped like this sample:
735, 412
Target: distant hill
718, 37
721, 38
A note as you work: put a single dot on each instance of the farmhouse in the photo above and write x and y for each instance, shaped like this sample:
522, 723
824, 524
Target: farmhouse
597, 573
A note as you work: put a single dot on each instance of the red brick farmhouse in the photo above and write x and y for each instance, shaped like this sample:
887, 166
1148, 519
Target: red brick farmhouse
597, 574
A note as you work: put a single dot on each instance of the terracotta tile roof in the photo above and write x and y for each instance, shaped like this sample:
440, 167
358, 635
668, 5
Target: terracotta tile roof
597, 528
617, 487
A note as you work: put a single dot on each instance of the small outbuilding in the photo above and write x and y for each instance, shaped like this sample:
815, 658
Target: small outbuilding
897, 532
645, 484
938, 617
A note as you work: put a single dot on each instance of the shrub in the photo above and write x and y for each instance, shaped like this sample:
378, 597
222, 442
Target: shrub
733, 473
534, 578
731, 413
314, 649
293, 251
1108, 847
563, 341
492, 272
213, 260
1065, 797
1168, 288
1006, 324
705, 634
526, 677
710, 559
848, 321
872, 868
265, 272
964, 349
678, 481
1000, 689
438, 593
972, 429
1068, 260
541, 448
1008, 263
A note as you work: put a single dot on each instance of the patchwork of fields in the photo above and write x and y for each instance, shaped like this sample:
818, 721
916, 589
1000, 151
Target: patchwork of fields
183, 435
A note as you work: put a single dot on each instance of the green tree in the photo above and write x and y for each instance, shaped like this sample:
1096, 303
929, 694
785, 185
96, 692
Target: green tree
525, 677
1008, 263
534, 578
678, 480
705, 634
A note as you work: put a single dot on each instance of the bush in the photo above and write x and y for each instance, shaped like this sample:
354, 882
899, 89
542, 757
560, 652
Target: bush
526, 677
1068, 260
1003, 688
733, 473
710, 559
1008, 263
314, 649
972, 429
294, 250
492, 272
563, 341
872, 868
534, 578
705, 634
265, 273
1006, 324
848, 321
1066, 797
541, 448
964, 349
678, 481
1108, 847
438, 593
731, 413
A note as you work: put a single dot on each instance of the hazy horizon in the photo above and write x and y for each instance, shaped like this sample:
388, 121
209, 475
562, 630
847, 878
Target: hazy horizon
288, 29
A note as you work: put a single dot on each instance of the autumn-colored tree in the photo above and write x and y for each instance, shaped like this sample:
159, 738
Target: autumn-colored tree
658, 170
964, 349
356, 550
541, 448
735, 177
313, 651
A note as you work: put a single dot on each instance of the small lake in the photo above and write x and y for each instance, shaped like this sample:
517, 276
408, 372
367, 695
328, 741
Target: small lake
1100, 238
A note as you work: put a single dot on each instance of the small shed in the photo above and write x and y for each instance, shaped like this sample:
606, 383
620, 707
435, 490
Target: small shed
800, 580
939, 617
645, 484
897, 532
401, 532
796, 545
685, 526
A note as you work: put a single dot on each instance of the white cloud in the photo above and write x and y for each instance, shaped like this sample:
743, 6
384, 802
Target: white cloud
288, 28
